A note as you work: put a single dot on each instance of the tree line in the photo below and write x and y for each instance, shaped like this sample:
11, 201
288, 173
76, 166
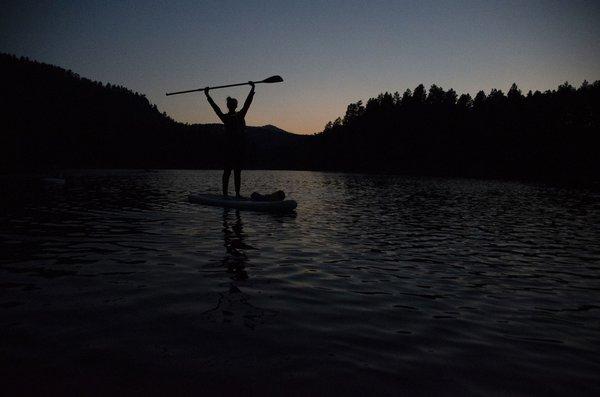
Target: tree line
541, 135
53, 118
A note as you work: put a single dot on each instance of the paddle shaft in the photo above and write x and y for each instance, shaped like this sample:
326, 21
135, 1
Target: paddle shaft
212, 88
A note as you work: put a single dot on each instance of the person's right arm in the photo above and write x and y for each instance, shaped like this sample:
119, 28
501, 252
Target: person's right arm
213, 104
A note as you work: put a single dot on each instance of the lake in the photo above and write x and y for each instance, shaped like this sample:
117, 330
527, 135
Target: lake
114, 284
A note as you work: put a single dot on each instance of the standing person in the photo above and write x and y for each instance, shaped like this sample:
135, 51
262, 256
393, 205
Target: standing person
235, 138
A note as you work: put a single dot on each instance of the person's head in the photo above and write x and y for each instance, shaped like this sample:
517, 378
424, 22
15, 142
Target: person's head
231, 104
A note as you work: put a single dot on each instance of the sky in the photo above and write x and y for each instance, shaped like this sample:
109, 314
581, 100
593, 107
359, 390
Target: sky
330, 53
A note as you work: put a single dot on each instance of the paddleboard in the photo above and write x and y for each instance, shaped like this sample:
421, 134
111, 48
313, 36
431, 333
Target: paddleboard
218, 200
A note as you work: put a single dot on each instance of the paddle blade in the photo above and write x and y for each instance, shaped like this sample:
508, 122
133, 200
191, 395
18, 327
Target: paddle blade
273, 79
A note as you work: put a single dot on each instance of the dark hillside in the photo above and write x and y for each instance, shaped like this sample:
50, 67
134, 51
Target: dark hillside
54, 118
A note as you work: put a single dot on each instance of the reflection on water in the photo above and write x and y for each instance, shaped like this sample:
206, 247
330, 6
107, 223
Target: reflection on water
376, 285
233, 238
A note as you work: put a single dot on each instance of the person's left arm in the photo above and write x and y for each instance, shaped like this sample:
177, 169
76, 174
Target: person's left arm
248, 100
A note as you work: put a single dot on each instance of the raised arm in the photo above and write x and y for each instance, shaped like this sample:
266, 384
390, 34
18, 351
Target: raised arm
248, 100
213, 104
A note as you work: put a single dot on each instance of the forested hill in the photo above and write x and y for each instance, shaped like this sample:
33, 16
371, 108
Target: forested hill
552, 135
52, 117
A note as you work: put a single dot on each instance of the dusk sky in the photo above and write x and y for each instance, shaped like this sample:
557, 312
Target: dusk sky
330, 53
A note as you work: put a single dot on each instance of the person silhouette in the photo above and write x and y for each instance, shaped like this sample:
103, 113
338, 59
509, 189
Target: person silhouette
235, 138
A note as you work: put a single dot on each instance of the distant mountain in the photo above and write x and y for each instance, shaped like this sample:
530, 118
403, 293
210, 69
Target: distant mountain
52, 117
273, 128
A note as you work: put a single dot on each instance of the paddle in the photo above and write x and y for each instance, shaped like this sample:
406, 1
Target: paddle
272, 79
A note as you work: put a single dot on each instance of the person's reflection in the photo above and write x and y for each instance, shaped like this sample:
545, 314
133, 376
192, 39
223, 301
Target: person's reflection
235, 258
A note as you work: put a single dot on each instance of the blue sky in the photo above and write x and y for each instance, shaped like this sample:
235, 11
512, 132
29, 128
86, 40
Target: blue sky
330, 53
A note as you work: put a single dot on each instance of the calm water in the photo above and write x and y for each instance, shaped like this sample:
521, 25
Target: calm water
379, 284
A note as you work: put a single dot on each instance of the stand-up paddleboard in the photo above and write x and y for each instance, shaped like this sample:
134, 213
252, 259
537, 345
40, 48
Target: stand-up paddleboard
242, 203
